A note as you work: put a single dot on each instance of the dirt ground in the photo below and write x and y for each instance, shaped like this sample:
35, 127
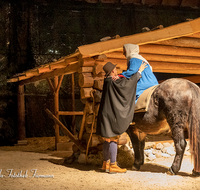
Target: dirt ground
37, 166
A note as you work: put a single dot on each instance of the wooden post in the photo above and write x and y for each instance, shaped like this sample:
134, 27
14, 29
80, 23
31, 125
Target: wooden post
73, 106
56, 110
21, 113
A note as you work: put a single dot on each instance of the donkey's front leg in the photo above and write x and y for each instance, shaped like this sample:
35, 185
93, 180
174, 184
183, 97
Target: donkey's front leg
138, 143
180, 144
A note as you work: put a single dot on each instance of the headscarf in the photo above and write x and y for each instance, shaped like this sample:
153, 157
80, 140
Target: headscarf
132, 51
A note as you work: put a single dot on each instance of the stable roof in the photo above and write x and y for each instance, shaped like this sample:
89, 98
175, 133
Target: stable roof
174, 49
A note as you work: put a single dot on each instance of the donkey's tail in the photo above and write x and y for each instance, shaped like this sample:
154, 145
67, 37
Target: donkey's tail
194, 127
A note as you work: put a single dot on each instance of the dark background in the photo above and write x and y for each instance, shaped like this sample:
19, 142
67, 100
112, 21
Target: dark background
33, 33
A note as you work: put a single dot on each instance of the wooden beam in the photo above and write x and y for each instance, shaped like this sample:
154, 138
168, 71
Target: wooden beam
21, 113
70, 113
169, 50
166, 50
67, 70
159, 57
181, 42
175, 31
195, 35
60, 79
195, 79
56, 110
51, 85
73, 104
161, 66
63, 63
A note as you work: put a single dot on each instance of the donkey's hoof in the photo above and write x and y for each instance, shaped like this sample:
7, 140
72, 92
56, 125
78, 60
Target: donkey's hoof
136, 167
170, 172
195, 174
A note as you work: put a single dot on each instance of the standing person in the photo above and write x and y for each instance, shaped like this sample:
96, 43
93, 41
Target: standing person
116, 112
134, 60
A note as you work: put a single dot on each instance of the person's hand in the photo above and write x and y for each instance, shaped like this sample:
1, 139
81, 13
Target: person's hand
143, 66
115, 78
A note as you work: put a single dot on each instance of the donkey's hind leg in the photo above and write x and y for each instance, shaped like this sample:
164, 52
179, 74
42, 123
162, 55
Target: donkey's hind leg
180, 144
138, 143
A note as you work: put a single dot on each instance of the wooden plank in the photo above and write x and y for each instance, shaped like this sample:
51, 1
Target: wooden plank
63, 63
181, 42
70, 113
169, 50
85, 69
195, 79
86, 80
44, 69
159, 57
177, 71
67, 70
195, 35
21, 113
171, 32
73, 103
87, 62
161, 66
85, 92
51, 85
56, 109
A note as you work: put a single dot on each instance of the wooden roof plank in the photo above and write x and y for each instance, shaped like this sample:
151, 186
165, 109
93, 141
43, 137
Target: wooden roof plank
158, 57
182, 42
72, 68
169, 50
182, 29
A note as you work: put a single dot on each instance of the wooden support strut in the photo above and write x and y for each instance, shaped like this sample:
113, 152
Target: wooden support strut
21, 113
70, 135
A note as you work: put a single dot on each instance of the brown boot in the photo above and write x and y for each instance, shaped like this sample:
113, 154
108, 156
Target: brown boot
114, 168
106, 166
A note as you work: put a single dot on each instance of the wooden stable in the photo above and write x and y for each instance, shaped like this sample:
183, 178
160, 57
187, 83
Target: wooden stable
175, 49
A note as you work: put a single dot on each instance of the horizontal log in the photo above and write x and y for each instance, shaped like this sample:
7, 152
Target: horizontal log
169, 50
158, 57
98, 69
166, 50
174, 66
177, 71
195, 35
98, 84
161, 66
85, 69
181, 42
86, 80
102, 56
70, 113
85, 92
87, 62
195, 79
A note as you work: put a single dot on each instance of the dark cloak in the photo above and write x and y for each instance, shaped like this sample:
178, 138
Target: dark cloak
117, 106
